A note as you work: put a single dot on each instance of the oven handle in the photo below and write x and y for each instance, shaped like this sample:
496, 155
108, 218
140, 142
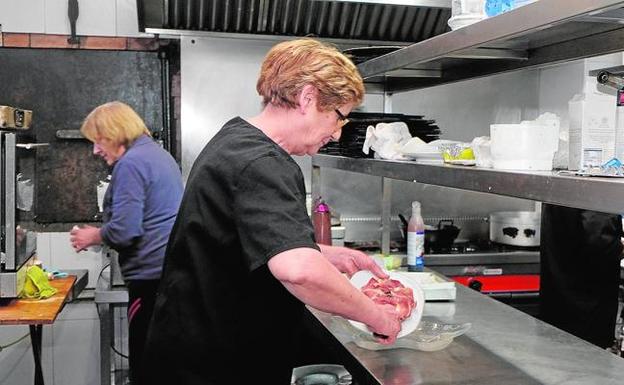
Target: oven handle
513, 294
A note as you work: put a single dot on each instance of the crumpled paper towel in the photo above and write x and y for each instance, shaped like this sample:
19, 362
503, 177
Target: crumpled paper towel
386, 139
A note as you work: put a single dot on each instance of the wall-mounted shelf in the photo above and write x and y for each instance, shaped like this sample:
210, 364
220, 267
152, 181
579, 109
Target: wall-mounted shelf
598, 194
537, 34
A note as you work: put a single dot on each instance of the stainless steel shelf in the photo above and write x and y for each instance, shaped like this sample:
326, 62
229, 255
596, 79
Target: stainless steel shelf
598, 194
543, 32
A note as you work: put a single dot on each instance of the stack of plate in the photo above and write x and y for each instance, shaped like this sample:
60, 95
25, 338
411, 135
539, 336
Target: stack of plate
354, 133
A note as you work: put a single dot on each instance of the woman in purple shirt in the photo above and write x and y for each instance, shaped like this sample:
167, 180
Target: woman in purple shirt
140, 206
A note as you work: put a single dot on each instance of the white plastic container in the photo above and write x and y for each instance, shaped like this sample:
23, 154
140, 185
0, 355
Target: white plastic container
523, 146
466, 12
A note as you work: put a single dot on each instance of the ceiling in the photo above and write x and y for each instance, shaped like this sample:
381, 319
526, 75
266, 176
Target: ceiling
366, 23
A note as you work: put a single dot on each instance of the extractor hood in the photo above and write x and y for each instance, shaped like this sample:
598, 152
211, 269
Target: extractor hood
363, 22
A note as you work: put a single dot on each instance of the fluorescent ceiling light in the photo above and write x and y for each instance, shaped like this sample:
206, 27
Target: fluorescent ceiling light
413, 3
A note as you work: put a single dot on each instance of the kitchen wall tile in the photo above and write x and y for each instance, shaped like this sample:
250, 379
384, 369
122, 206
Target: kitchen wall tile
16, 39
79, 310
63, 256
22, 16
97, 18
127, 23
56, 19
47, 354
16, 362
44, 253
76, 352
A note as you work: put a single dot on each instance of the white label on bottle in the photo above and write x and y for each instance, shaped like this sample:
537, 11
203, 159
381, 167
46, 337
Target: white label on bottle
415, 246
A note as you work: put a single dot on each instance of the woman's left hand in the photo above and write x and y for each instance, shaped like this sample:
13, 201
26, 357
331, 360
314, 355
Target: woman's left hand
351, 261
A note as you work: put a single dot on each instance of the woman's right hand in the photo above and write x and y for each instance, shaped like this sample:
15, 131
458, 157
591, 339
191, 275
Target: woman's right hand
83, 237
388, 326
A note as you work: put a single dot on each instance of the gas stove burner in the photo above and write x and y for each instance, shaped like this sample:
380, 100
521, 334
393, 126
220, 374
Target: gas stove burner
478, 246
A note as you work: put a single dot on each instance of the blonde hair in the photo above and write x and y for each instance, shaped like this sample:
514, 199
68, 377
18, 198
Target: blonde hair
115, 121
291, 65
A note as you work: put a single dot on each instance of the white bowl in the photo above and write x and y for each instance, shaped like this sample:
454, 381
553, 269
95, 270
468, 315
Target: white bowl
410, 324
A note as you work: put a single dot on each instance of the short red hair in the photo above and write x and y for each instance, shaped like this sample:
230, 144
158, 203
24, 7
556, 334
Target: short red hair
291, 65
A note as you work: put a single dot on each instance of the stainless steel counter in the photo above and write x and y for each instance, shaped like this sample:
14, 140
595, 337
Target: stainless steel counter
504, 346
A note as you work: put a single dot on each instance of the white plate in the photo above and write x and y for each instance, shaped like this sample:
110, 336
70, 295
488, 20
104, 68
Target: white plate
425, 157
410, 324
461, 162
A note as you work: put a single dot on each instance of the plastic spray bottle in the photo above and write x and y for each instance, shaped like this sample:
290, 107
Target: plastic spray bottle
415, 239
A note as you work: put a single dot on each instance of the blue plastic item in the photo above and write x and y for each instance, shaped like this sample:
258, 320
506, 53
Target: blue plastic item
496, 7
613, 162
58, 274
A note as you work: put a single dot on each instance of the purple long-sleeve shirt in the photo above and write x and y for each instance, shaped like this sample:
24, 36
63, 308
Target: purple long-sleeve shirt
140, 206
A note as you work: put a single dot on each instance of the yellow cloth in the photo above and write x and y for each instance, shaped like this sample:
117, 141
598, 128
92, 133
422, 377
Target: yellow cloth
37, 285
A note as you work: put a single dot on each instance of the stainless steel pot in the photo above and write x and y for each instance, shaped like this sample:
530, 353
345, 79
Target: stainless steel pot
516, 228
323, 374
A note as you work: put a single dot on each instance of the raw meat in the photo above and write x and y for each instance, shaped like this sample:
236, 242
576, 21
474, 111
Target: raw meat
391, 291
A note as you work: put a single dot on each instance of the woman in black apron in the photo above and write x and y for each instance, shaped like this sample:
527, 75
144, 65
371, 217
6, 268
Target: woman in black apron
580, 272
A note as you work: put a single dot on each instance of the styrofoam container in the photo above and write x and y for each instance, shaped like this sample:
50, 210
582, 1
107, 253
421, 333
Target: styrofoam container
523, 146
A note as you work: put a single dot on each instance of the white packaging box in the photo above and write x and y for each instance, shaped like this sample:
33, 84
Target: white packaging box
592, 129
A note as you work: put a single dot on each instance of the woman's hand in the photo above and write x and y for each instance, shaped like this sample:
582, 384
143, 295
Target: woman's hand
389, 327
351, 261
83, 237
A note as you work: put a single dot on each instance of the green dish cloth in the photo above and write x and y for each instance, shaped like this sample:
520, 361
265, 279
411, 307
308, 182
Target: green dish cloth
36, 284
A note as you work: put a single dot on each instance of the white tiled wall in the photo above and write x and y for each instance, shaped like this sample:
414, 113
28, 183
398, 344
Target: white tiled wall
23, 16
76, 348
96, 17
56, 253
70, 350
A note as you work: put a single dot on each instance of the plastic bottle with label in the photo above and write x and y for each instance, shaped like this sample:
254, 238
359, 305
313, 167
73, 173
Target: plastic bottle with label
321, 218
619, 126
415, 239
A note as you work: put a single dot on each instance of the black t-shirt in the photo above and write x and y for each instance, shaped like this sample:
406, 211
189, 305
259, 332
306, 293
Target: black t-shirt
219, 310
580, 271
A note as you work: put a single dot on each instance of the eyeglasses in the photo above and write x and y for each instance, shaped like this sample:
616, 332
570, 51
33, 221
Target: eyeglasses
343, 119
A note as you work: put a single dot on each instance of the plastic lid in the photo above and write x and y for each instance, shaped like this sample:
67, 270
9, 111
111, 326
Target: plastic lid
415, 205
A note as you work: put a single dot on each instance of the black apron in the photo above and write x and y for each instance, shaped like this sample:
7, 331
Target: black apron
580, 272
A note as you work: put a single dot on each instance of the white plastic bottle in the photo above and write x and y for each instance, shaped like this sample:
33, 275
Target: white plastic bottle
619, 126
415, 239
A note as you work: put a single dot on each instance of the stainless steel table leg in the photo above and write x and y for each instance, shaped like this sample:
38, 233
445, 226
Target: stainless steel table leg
35, 338
106, 336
